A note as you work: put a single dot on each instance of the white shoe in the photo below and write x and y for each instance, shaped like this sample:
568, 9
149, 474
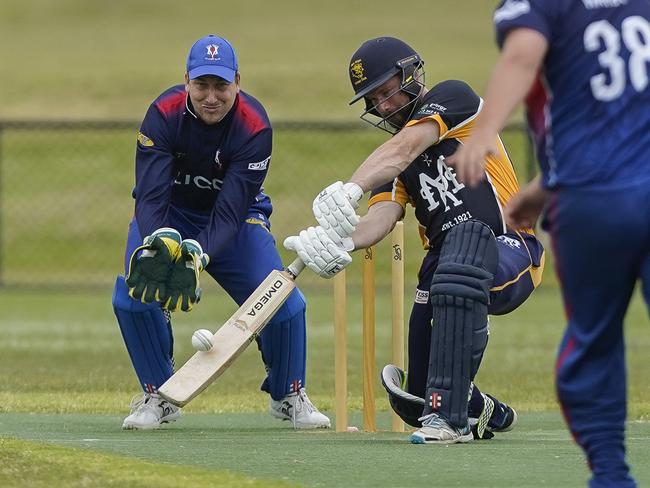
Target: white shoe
436, 430
149, 411
297, 408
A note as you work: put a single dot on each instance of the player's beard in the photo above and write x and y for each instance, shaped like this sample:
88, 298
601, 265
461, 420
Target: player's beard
399, 118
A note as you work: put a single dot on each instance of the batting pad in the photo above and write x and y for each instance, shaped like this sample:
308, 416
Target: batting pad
460, 292
283, 344
148, 337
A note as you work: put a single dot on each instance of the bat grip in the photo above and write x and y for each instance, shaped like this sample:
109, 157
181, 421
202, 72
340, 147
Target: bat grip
295, 268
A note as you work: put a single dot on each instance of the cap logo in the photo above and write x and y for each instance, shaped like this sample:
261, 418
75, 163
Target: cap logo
213, 52
356, 70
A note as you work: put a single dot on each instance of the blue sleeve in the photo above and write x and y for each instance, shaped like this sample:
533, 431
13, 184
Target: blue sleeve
242, 183
532, 14
153, 173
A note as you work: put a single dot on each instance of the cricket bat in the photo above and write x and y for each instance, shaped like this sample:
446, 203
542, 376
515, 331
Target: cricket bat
232, 338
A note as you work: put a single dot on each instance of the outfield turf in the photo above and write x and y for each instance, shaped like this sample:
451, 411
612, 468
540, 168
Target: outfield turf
92, 59
65, 377
538, 453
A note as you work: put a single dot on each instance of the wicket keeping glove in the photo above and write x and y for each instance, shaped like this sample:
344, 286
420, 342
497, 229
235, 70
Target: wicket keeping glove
183, 286
334, 209
150, 264
319, 252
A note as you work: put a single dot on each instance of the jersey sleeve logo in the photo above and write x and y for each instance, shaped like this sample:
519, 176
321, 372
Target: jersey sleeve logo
511, 9
431, 109
144, 140
260, 165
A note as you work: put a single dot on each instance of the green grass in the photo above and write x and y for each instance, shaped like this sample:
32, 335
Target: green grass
539, 452
39, 465
66, 380
68, 191
80, 59
64, 353
66, 197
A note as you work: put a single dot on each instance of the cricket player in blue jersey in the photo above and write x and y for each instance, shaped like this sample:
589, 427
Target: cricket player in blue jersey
583, 68
203, 151
474, 264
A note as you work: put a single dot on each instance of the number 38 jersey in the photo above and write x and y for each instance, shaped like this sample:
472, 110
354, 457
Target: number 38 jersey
590, 108
430, 186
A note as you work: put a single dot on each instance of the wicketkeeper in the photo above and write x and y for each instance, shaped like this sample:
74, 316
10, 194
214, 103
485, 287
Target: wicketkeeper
203, 152
474, 264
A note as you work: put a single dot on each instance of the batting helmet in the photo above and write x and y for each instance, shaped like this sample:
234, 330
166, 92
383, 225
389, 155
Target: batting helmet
376, 62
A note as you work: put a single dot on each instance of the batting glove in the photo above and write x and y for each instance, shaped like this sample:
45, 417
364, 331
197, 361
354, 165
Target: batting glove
334, 209
150, 264
319, 253
183, 286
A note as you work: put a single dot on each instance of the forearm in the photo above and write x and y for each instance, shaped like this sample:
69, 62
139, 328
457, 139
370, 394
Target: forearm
392, 157
151, 216
376, 224
535, 191
511, 79
153, 189
383, 165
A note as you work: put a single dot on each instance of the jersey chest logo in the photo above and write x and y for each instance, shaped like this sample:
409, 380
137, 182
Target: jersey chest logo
442, 189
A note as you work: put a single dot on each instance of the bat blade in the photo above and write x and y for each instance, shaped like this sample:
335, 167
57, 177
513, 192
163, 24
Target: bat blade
232, 337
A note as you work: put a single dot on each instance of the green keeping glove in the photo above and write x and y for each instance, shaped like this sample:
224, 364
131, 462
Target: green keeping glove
183, 287
149, 269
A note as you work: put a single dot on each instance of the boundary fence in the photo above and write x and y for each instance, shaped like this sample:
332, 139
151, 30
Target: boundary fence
65, 190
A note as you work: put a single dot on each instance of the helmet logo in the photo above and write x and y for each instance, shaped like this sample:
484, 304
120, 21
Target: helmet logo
356, 70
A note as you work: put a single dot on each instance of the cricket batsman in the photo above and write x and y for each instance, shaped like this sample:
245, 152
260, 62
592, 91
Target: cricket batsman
474, 264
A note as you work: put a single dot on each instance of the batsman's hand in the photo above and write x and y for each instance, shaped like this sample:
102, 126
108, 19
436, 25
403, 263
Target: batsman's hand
183, 286
150, 264
334, 209
319, 252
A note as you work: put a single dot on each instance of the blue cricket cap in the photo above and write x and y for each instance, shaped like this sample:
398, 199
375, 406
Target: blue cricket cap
212, 55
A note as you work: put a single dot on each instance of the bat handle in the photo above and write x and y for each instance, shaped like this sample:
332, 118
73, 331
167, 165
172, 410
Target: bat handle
295, 268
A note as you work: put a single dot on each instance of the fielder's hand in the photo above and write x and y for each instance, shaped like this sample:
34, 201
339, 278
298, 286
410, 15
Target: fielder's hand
334, 209
150, 263
183, 287
319, 252
525, 206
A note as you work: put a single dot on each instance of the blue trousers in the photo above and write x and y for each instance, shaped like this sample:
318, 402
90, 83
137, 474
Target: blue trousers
238, 269
601, 242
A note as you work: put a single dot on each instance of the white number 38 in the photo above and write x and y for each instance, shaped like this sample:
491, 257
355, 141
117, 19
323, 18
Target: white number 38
635, 31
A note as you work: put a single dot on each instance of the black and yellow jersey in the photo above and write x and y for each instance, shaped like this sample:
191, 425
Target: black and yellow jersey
429, 185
